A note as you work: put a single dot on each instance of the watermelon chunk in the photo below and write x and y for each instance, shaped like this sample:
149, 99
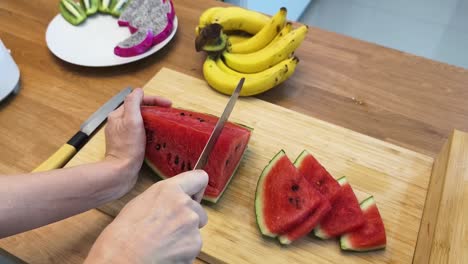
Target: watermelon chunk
345, 215
176, 138
283, 198
371, 236
317, 175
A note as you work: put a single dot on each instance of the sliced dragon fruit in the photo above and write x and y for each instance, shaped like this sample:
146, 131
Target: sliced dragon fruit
130, 11
136, 44
161, 36
155, 16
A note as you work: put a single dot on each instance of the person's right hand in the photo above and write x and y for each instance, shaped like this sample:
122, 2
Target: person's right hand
161, 225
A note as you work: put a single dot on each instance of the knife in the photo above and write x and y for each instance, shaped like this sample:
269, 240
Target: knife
68, 150
203, 159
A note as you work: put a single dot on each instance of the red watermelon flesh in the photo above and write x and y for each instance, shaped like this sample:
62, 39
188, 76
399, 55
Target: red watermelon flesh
345, 215
317, 175
308, 225
371, 236
284, 198
176, 138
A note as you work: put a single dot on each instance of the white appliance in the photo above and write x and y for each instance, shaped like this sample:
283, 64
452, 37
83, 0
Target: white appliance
9, 73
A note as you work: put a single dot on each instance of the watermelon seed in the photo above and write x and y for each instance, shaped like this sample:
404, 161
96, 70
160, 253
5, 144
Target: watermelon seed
176, 161
291, 200
295, 187
183, 165
237, 147
297, 202
182, 114
158, 146
201, 120
189, 166
227, 162
318, 183
149, 136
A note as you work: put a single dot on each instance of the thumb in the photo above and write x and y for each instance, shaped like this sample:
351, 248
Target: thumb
193, 183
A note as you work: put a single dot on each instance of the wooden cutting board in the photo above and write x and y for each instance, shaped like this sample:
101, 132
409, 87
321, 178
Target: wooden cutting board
398, 178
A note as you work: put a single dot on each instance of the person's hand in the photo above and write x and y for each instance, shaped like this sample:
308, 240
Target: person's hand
161, 225
125, 134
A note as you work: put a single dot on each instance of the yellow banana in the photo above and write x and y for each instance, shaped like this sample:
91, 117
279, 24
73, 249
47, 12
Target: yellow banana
286, 29
268, 56
236, 18
266, 73
264, 36
205, 18
237, 38
225, 82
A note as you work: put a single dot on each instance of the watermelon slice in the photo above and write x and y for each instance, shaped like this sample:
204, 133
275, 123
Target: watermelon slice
176, 138
371, 236
283, 198
308, 225
317, 175
321, 181
345, 215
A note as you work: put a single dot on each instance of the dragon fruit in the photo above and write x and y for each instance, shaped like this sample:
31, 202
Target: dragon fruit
136, 44
144, 17
129, 13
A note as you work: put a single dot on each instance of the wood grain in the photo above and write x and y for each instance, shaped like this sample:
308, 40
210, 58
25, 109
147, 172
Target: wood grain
443, 237
384, 93
397, 177
67, 241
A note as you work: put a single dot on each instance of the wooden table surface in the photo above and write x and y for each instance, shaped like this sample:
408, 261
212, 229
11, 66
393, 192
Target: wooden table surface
387, 94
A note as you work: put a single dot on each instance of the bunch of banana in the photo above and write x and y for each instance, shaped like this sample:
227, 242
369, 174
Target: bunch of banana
262, 52
224, 79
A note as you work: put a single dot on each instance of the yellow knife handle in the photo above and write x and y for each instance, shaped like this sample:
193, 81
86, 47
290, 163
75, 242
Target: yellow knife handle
58, 159
64, 153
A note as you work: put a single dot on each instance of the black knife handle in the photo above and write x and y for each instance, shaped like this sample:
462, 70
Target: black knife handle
78, 140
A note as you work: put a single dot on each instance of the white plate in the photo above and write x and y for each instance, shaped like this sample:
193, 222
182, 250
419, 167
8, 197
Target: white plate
92, 43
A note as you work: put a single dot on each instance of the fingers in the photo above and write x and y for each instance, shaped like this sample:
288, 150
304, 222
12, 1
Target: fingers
193, 183
199, 196
117, 113
156, 100
202, 216
132, 104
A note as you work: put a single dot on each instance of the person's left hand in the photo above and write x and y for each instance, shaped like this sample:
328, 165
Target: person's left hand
125, 134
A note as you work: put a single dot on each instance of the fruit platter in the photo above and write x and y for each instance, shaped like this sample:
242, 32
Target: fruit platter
106, 33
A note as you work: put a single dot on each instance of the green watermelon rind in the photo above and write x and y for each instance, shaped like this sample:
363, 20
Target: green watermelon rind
211, 199
318, 231
284, 240
300, 158
259, 194
345, 243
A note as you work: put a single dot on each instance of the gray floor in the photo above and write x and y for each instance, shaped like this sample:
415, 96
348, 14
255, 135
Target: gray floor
435, 29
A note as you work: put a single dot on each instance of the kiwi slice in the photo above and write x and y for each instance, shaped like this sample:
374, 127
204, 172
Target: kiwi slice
105, 6
90, 6
117, 7
72, 12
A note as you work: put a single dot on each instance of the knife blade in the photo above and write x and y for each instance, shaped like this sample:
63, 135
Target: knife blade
203, 159
68, 150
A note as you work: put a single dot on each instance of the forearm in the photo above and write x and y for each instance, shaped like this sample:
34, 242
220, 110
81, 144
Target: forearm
32, 200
